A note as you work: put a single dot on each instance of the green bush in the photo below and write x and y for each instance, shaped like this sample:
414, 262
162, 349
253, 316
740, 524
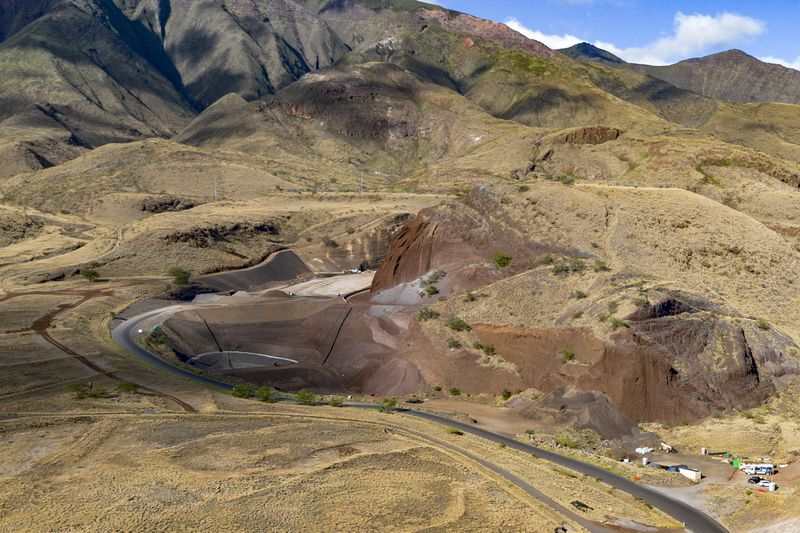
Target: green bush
560, 268
763, 324
437, 388
565, 355
83, 390
387, 405
265, 394
640, 301
244, 391
453, 343
501, 260
600, 266
454, 431
613, 306
488, 349
576, 264
431, 290
454, 392
457, 324
426, 313
350, 229
506, 394
90, 274
523, 188
617, 323
127, 386
329, 242
566, 442
578, 294
546, 259
335, 401
305, 397
577, 314
470, 297
179, 275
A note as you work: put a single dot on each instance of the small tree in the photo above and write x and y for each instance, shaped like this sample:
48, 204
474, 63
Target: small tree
179, 275
506, 394
455, 392
501, 260
565, 355
426, 313
335, 401
265, 394
127, 386
305, 397
90, 274
387, 405
458, 324
243, 391
453, 343
329, 242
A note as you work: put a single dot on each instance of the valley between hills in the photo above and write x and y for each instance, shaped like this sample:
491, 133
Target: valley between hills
368, 265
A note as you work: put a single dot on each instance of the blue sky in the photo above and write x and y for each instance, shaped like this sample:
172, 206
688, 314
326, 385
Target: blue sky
652, 31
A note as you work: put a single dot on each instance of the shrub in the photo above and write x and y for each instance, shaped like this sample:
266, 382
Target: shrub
179, 275
329, 242
523, 188
566, 442
457, 324
600, 266
576, 264
565, 355
431, 290
506, 394
602, 317
453, 343
335, 401
350, 229
387, 405
305, 397
617, 323
454, 392
578, 294
640, 302
454, 431
505, 200
244, 391
82, 390
613, 306
546, 259
560, 268
437, 388
426, 313
265, 394
501, 260
127, 386
577, 314
488, 349
763, 324
470, 296
90, 274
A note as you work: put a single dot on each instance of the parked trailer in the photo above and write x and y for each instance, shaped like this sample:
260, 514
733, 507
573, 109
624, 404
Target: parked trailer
758, 470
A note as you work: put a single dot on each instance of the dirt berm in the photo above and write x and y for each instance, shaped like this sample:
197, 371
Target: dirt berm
280, 266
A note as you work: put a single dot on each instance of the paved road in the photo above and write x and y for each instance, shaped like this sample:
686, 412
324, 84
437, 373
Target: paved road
694, 520
123, 335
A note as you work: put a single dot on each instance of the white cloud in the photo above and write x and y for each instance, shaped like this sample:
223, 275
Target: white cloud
553, 41
778, 61
693, 35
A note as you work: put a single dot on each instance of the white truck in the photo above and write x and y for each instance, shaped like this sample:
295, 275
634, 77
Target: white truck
758, 469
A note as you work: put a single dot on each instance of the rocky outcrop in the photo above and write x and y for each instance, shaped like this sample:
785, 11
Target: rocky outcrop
590, 135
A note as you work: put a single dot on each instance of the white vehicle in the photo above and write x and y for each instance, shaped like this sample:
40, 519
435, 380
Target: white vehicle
758, 470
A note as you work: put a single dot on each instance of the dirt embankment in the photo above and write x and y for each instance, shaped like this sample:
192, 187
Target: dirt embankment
280, 266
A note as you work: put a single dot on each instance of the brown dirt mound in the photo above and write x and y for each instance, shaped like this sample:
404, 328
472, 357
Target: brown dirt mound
581, 410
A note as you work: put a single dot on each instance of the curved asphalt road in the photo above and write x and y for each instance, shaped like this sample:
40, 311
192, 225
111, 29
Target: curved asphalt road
693, 519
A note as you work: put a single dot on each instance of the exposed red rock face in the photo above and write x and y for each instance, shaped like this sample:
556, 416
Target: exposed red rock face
590, 135
491, 31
